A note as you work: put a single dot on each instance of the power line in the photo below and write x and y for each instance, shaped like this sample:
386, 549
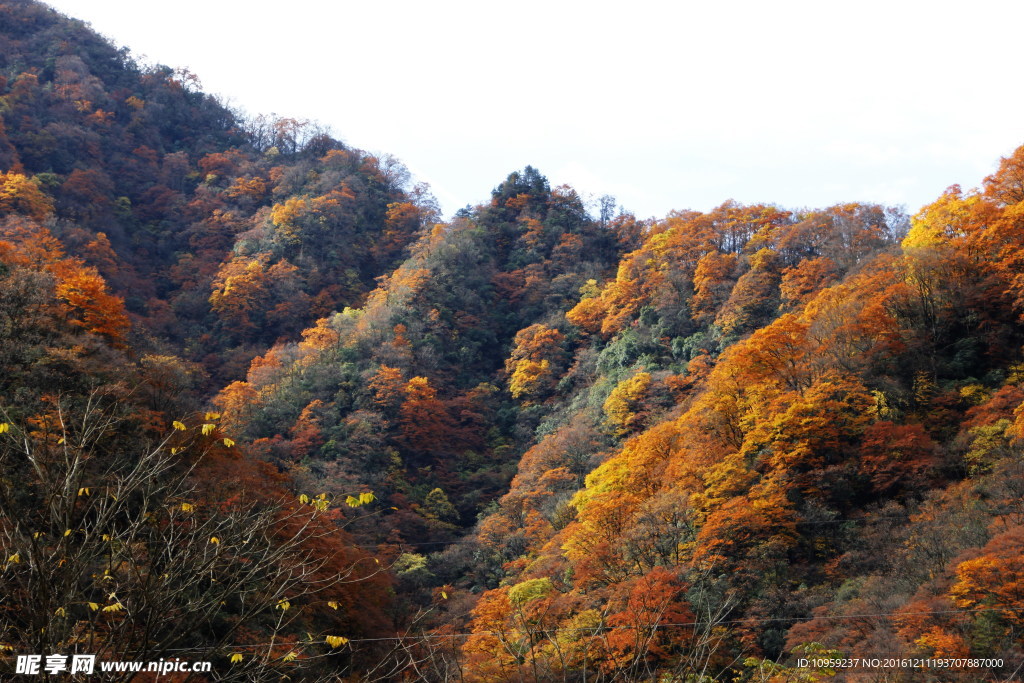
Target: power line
601, 629
724, 622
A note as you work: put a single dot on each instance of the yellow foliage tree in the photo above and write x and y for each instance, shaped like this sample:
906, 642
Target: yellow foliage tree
623, 408
20, 194
532, 365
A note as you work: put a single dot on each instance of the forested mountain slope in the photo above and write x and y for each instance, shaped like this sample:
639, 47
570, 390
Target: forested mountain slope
250, 382
221, 233
767, 432
821, 454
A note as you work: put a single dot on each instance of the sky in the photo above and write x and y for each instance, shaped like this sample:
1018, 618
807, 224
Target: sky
664, 106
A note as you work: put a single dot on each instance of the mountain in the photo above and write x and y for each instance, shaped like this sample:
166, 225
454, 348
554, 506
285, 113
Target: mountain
221, 234
261, 406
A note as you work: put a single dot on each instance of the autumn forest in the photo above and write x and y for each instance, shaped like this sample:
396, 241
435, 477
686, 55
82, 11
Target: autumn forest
261, 406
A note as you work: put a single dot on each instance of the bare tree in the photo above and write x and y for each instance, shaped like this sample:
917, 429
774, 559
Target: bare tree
110, 551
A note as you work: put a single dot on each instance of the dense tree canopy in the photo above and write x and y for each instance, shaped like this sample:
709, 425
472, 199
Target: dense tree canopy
252, 383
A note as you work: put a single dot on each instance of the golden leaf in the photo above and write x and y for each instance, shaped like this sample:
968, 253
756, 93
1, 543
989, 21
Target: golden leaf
291, 656
336, 641
187, 507
60, 612
116, 607
229, 443
213, 416
214, 540
179, 426
333, 604
236, 658
84, 491
303, 499
4, 427
208, 428
14, 559
93, 606
283, 605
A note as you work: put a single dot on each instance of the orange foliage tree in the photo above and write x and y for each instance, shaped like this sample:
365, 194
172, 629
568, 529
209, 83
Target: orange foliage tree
86, 301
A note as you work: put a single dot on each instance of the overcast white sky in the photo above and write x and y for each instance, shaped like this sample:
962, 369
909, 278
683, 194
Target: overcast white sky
664, 106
